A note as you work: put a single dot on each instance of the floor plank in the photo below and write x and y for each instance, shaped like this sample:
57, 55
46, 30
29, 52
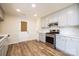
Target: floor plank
32, 48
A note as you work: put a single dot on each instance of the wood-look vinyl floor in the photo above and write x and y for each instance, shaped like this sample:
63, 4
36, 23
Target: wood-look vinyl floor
32, 48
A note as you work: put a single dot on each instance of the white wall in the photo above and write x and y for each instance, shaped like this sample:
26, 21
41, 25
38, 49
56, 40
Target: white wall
32, 30
11, 26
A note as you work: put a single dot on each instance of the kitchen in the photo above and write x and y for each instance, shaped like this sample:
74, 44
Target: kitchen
58, 27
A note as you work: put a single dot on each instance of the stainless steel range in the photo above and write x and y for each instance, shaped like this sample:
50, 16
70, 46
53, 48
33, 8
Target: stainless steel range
51, 38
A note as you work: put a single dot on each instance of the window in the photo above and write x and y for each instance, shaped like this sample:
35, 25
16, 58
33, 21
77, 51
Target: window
23, 26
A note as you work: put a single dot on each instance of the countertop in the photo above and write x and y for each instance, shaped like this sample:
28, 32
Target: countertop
71, 36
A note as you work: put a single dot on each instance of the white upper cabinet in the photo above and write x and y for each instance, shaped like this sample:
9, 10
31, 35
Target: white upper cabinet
65, 17
49, 19
68, 16
53, 18
44, 22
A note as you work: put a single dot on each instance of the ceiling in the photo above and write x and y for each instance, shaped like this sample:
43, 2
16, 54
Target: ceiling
42, 9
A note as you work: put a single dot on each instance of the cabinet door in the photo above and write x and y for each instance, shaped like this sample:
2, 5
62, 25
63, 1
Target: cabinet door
42, 23
63, 43
62, 19
42, 37
77, 47
60, 43
71, 46
1, 51
68, 16
3, 47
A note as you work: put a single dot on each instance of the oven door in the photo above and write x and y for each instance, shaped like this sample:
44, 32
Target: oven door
50, 39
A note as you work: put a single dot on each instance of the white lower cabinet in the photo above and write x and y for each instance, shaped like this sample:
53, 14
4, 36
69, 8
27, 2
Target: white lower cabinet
60, 43
42, 37
3, 50
3, 47
63, 41
77, 47
69, 45
77, 52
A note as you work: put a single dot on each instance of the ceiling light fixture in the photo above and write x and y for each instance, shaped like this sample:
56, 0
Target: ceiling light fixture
18, 10
33, 5
35, 14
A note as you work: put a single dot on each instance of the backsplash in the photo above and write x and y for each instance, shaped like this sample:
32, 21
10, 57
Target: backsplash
70, 31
